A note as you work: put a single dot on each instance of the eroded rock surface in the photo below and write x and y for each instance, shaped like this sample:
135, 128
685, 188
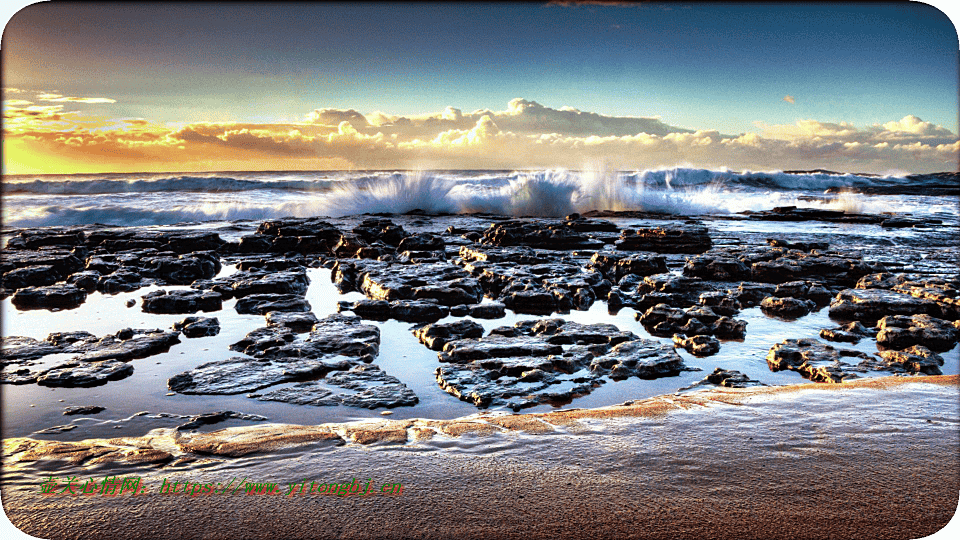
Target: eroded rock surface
901, 331
550, 360
690, 237
195, 327
181, 301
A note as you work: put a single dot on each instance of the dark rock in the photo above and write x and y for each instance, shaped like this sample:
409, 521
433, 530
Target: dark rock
49, 297
440, 282
874, 304
540, 233
491, 310
380, 229
88, 409
19, 348
617, 265
882, 280
901, 331
401, 310
271, 264
722, 268
436, 335
496, 346
945, 293
787, 307
217, 417
194, 327
687, 238
261, 304
30, 276
63, 262
916, 359
99, 265
85, 374
721, 303
127, 345
287, 282
730, 379
813, 360
239, 375
180, 270
181, 301
852, 332
373, 389
751, 294
527, 364
697, 345
258, 341
85, 280
421, 242
802, 246
663, 320
122, 280
298, 322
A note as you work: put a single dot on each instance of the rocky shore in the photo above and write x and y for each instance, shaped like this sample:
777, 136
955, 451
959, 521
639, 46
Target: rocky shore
494, 298
682, 285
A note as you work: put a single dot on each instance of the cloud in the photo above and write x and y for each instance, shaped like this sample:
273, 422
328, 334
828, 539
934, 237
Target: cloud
912, 125
525, 134
788, 99
70, 99
333, 117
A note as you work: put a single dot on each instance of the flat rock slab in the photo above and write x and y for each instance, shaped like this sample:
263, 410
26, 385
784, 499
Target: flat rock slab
697, 345
85, 374
181, 301
615, 266
435, 336
238, 375
491, 310
687, 238
440, 282
780, 265
401, 310
83, 409
30, 276
195, 327
663, 320
547, 233
286, 282
820, 362
50, 297
788, 307
337, 334
915, 359
851, 332
206, 419
550, 360
298, 322
261, 304
945, 292
870, 305
16, 349
129, 344
372, 389
814, 360
901, 331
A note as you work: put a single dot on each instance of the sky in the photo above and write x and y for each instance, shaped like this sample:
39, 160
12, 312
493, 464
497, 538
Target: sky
103, 87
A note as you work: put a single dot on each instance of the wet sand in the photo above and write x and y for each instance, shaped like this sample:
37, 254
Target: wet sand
875, 458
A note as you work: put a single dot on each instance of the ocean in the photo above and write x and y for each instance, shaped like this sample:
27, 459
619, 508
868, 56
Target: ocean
142, 199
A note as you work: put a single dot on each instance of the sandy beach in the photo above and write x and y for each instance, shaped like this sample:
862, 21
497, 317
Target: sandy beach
870, 459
